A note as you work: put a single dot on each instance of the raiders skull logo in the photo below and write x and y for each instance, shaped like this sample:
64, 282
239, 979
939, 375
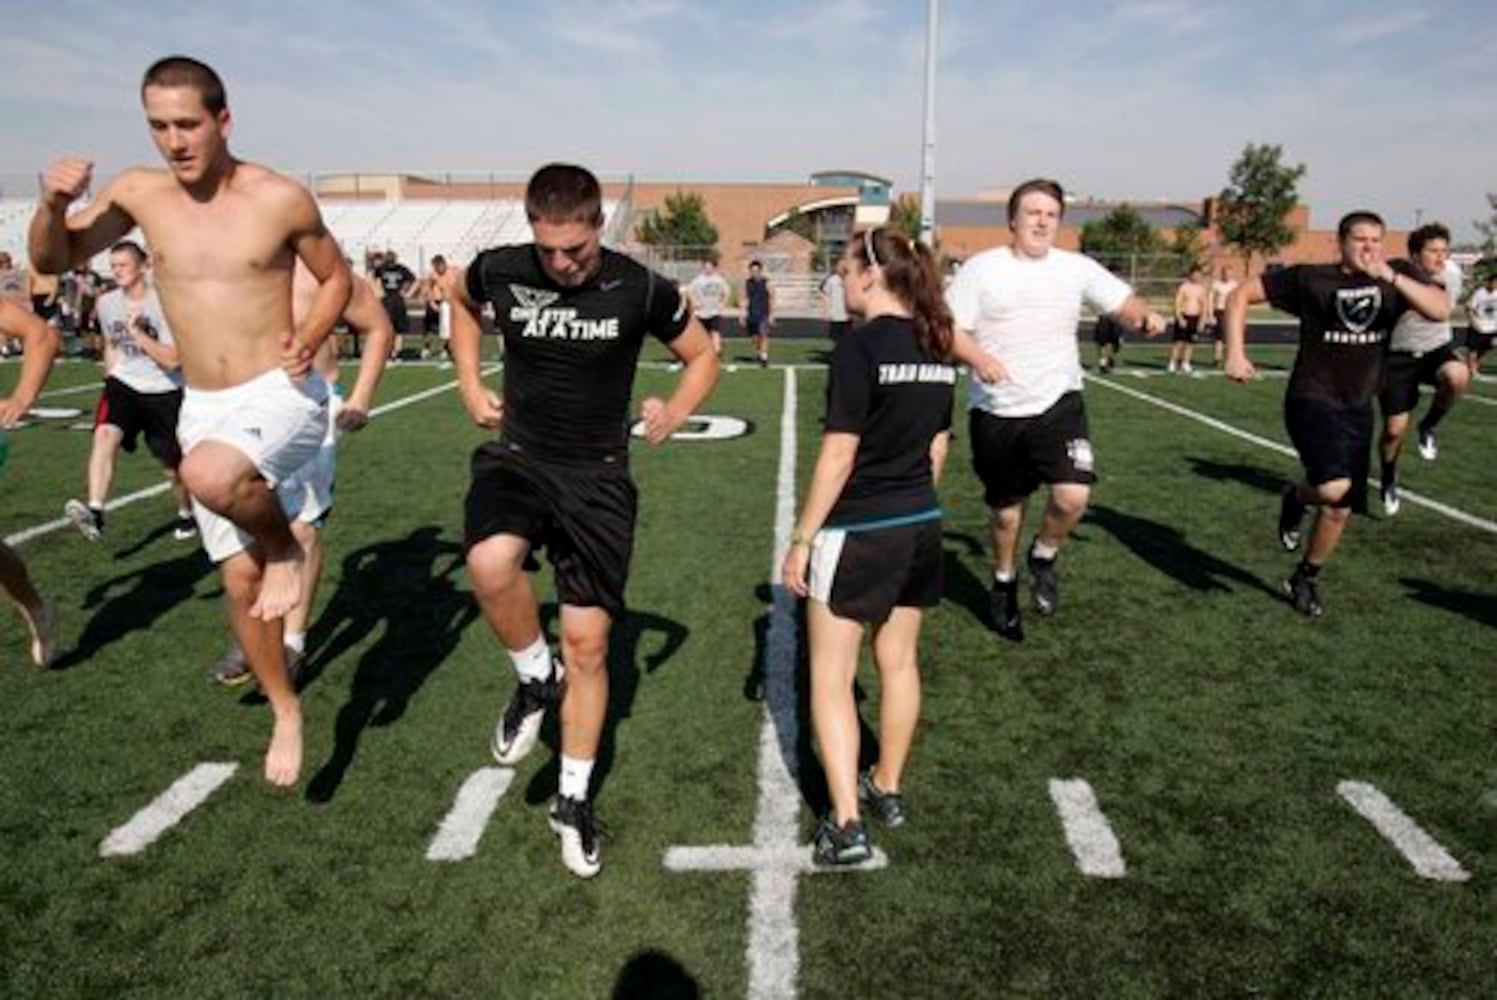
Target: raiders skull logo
1358, 307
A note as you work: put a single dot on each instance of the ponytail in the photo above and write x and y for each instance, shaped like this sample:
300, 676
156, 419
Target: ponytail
909, 272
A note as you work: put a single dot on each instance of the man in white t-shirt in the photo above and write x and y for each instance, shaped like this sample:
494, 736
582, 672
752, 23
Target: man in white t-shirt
709, 293
1016, 310
1483, 312
835, 293
142, 391
1420, 352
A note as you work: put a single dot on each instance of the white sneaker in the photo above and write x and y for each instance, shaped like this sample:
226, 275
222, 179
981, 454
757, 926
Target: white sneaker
82, 516
1429, 445
572, 820
519, 726
43, 634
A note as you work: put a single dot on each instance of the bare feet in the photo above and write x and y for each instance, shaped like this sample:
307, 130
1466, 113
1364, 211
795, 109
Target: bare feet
280, 587
283, 759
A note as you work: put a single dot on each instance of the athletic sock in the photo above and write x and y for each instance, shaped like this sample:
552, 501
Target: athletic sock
1042, 551
295, 641
533, 663
1307, 569
1390, 472
1004, 578
575, 776
1432, 418
97, 510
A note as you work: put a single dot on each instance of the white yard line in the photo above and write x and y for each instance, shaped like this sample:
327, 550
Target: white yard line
1088, 833
166, 810
1422, 851
776, 858
39, 530
457, 838
1409, 496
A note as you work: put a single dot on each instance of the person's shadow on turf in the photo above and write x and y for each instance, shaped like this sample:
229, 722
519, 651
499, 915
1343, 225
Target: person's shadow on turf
153, 590
1234, 472
1164, 547
1480, 608
408, 590
638, 639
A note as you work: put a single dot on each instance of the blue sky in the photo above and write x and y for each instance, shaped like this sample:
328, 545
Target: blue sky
1390, 105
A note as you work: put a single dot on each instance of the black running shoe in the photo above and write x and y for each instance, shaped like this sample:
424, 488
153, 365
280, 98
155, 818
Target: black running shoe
1044, 582
572, 820
1291, 513
1004, 601
887, 806
1304, 594
847, 845
520, 725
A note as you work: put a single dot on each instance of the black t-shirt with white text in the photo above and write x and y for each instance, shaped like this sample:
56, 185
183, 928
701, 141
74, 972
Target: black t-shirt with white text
1344, 321
394, 279
896, 398
570, 353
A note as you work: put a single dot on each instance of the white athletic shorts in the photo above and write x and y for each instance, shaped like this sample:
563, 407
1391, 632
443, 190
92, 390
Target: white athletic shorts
444, 320
278, 424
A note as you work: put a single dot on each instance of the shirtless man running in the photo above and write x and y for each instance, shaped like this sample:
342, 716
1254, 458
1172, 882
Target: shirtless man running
1191, 301
224, 235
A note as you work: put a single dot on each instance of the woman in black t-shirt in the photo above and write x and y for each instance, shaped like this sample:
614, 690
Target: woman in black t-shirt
867, 547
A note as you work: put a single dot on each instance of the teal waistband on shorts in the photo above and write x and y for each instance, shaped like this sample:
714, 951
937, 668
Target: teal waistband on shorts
933, 514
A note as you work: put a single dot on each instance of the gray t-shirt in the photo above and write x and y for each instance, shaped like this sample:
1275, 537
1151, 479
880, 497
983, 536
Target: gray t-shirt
836, 298
132, 365
1414, 334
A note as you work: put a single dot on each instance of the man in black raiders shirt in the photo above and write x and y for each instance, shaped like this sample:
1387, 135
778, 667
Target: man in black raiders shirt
396, 282
1346, 311
573, 316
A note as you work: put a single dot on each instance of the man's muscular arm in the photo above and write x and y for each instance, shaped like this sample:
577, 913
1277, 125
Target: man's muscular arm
58, 241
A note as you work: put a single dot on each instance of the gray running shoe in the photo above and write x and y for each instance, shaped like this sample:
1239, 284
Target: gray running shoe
1045, 582
845, 845
1304, 594
232, 669
887, 806
88, 521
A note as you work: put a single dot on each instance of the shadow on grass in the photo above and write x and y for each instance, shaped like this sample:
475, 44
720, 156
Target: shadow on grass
1480, 608
407, 590
1232, 472
1164, 547
964, 588
158, 532
153, 590
654, 975
632, 645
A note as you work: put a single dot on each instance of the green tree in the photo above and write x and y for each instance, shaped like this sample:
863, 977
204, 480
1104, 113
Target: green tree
800, 223
904, 215
1185, 248
1260, 194
682, 223
1119, 238
1487, 265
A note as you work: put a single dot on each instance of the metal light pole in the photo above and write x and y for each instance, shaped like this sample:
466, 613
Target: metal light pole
928, 162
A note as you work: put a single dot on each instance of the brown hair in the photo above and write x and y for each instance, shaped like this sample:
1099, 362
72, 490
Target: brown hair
130, 247
909, 271
184, 71
564, 192
1357, 218
1041, 184
1425, 233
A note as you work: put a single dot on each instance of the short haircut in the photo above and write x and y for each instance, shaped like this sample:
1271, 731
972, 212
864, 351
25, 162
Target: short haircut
757, 263
1357, 218
438, 259
1425, 233
184, 71
564, 192
130, 247
1044, 186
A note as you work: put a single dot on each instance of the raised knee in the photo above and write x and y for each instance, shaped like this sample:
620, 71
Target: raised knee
491, 570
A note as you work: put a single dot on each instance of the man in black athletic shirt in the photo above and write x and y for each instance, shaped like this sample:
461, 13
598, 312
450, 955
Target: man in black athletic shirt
573, 316
1346, 311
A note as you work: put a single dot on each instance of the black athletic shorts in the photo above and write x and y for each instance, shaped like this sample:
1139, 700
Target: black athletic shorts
1104, 334
1186, 329
582, 515
837, 327
399, 318
1219, 324
1333, 443
865, 575
431, 320
1479, 342
152, 414
712, 324
1404, 374
1014, 456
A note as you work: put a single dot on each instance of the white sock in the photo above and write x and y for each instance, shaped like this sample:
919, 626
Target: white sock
184, 514
1003, 577
296, 641
1042, 551
575, 776
533, 663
